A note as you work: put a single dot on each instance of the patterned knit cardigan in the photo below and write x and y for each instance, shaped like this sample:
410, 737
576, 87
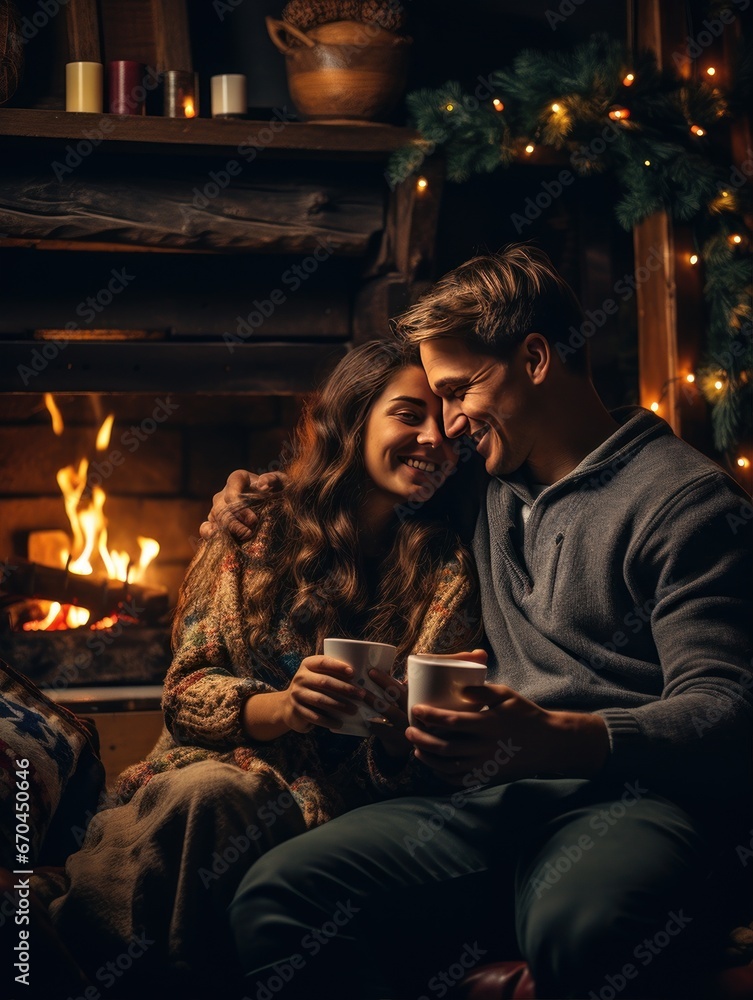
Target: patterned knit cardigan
213, 673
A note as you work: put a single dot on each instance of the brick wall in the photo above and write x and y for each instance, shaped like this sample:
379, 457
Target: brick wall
167, 455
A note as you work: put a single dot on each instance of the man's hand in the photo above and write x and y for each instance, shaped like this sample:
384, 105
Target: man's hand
229, 509
507, 737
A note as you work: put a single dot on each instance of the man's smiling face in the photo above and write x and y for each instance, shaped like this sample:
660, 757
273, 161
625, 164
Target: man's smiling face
486, 398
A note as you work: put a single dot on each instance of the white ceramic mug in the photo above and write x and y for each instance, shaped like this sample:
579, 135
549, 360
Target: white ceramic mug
439, 681
362, 656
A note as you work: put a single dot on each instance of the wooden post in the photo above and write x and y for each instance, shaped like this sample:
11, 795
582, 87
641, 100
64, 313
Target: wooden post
660, 27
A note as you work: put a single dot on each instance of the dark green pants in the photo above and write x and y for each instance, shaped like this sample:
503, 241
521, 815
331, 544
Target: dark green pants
601, 889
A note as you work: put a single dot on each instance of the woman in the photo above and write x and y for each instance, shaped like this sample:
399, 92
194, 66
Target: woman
358, 543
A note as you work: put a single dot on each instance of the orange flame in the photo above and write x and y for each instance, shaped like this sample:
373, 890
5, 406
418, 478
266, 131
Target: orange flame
89, 543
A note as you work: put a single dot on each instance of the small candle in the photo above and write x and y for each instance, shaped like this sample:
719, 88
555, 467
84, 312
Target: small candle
229, 95
181, 94
83, 86
126, 87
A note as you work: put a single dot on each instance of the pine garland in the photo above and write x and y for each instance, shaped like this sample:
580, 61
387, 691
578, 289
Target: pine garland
652, 129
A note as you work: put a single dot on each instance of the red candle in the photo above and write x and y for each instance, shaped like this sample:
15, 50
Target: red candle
126, 87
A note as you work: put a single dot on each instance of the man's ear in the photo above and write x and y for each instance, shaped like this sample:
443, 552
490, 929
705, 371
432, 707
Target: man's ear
537, 356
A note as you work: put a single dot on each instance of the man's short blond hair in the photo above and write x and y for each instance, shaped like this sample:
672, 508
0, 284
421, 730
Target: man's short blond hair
493, 302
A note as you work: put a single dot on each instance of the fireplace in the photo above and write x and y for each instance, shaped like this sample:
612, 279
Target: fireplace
150, 477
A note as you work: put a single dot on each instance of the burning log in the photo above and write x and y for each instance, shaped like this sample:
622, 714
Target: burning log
101, 595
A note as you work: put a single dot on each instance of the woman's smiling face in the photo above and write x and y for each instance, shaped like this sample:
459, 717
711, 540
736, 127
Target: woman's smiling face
406, 453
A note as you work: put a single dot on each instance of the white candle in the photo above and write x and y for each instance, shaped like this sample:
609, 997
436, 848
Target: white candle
83, 86
229, 95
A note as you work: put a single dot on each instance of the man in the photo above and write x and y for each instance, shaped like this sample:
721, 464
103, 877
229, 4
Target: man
597, 777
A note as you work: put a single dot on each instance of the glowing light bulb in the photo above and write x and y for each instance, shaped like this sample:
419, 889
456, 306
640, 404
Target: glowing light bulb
718, 384
736, 238
618, 114
690, 378
693, 258
711, 71
744, 463
422, 184
654, 406
450, 107
530, 148
647, 163
556, 107
628, 80
498, 105
697, 130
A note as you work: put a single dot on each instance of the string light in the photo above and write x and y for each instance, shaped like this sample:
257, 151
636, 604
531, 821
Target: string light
422, 184
743, 462
690, 378
736, 238
693, 259
655, 406
618, 114
450, 107
647, 163
718, 385
556, 107
697, 130
724, 194
530, 148
711, 71
498, 105
628, 80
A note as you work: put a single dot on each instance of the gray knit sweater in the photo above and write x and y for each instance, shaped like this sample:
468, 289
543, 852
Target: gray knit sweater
631, 598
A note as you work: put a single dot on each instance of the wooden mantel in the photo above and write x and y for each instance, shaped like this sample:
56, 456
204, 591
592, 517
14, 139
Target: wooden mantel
31, 128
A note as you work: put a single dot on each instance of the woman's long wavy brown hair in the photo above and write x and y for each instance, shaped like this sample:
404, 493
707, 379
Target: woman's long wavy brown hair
315, 567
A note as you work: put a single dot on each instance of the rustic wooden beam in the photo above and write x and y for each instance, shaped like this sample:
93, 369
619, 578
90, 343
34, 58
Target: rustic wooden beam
83, 31
190, 211
661, 28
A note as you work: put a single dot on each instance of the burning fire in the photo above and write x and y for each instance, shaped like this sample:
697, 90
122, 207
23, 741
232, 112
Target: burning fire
85, 510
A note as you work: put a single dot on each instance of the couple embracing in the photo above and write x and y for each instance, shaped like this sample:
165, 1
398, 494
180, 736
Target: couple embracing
627, 736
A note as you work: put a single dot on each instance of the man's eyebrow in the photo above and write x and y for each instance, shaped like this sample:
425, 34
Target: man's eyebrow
408, 399
449, 380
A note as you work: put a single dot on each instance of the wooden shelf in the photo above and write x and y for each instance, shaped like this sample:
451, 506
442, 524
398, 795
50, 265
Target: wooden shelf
31, 127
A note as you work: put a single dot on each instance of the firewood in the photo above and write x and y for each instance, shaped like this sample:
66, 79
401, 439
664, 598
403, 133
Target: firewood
102, 596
